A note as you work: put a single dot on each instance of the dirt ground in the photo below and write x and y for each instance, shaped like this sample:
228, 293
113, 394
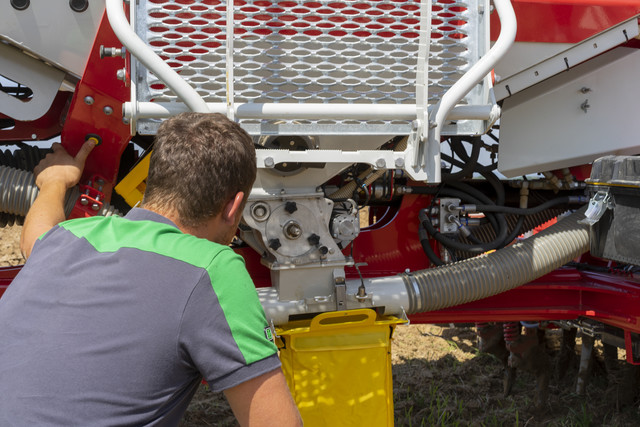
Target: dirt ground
441, 379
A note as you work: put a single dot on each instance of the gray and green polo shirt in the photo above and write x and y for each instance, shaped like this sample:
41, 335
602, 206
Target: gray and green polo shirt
114, 321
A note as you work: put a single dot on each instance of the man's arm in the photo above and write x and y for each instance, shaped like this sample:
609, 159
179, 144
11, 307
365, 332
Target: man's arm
55, 174
264, 401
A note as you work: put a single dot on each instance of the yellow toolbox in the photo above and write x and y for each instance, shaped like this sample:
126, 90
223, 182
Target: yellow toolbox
338, 367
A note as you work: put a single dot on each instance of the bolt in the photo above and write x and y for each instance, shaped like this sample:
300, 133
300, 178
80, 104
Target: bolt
259, 212
84, 201
34, 136
125, 120
292, 230
290, 207
88, 100
107, 110
268, 162
399, 162
274, 244
323, 250
381, 163
121, 74
79, 5
585, 105
20, 4
95, 207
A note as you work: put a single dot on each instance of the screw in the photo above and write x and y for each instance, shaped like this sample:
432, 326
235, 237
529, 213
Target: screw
95, 207
34, 136
84, 201
399, 162
107, 110
121, 74
268, 162
585, 105
323, 250
381, 163
125, 120
585, 90
88, 100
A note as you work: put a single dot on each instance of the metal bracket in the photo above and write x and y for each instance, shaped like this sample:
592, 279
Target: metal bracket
340, 281
598, 205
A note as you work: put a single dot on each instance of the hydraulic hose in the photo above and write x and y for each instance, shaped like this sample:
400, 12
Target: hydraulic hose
500, 271
533, 210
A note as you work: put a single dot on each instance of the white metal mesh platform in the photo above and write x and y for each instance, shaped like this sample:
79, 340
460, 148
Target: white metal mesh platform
312, 52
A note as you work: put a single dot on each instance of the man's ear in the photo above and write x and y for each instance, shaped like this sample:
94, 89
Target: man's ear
233, 208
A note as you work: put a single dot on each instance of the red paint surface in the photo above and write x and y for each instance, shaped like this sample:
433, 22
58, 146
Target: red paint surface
566, 21
99, 82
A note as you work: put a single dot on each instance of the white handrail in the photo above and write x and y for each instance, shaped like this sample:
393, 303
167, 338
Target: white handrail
144, 54
291, 111
471, 78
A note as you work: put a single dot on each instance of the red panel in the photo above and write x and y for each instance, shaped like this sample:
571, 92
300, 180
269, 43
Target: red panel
99, 82
566, 21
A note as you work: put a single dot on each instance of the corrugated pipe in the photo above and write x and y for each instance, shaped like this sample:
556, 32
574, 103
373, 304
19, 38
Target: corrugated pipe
500, 271
18, 191
459, 283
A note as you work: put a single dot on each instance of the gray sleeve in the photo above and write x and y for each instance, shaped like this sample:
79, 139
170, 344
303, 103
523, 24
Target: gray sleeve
208, 345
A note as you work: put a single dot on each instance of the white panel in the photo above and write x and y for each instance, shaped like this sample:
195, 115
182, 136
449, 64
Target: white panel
545, 127
52, 31
42, 79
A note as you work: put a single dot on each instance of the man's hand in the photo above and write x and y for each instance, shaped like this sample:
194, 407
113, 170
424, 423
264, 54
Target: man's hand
55, 174
60, 168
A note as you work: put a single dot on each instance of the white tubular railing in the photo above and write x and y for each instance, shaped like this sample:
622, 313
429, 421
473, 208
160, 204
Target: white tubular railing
149, 59
286, 111
471, 78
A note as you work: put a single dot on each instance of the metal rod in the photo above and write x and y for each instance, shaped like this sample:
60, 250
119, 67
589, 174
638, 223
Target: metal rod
229, 52
286, 111
149, 59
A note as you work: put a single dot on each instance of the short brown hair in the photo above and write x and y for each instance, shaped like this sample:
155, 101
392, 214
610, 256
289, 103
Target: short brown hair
199, 162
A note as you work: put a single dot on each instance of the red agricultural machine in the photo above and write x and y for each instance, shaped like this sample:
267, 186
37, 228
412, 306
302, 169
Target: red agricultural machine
408, 151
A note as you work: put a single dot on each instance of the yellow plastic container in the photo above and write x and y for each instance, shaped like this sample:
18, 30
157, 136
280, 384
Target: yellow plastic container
338, 367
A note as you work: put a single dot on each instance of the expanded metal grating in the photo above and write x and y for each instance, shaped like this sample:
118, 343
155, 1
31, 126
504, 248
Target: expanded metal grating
310, 51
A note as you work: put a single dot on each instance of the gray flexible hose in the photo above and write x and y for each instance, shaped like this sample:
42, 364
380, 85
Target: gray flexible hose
18, 191
505, 269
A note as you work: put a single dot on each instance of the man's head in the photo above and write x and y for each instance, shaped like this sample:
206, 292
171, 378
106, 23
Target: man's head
199, 163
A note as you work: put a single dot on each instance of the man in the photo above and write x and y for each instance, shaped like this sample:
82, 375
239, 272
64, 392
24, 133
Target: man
114, 321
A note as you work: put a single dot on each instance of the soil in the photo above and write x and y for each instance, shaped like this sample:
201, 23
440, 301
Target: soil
441, 379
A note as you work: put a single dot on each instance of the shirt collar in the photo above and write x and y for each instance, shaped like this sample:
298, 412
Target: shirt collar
141, 214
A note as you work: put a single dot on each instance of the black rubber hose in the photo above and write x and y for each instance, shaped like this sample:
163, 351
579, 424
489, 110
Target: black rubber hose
470, 162
426, 247
453, 244
530, 211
